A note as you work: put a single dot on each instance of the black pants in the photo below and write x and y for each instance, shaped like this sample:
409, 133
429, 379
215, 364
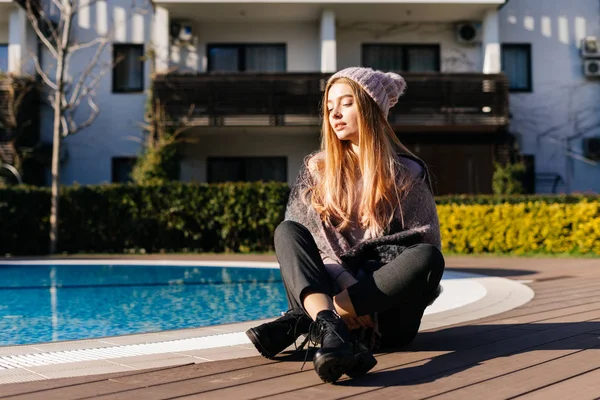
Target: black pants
398, 291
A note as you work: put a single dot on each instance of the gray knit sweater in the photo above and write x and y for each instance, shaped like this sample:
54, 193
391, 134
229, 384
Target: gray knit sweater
421, 223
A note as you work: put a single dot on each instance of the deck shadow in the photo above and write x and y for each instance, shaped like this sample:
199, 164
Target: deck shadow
470, 346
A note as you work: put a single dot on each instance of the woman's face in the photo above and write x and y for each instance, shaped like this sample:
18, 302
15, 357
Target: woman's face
343, 114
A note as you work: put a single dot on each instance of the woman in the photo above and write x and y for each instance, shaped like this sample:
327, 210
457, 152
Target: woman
359, 249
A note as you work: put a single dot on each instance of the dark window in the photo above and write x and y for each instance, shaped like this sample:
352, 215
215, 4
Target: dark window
516, 64
246, 58
121, 169
402, 57
246, 169
4, 57
128, 72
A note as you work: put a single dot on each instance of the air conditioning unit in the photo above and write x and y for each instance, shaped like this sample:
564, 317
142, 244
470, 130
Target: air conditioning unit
591, 147
591, 68
181, 31
590, 47
468, 32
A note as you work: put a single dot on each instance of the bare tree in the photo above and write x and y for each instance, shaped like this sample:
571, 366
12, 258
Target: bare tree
68, 87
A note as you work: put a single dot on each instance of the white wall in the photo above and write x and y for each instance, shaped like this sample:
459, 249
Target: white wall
116, 131
301, 38
454, 57
563, 103
254, 142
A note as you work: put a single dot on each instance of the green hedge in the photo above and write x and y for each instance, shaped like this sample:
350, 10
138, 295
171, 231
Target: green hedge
118, 218
181, 217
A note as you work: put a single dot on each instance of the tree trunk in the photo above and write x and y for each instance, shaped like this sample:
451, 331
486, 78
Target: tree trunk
56, 142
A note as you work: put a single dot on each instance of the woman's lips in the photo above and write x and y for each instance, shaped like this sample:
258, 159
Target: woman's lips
339, 126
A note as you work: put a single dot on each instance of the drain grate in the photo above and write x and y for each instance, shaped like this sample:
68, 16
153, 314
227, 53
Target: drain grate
172, 346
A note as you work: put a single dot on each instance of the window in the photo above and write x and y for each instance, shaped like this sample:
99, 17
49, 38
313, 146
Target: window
4, 57
128, 72
121, 169
246, 169
516, 64
400, 57
246, 58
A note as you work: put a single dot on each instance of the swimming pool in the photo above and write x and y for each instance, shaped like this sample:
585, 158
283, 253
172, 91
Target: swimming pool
43, 303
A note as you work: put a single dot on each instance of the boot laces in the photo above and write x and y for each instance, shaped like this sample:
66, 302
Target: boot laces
316, 332
297, 315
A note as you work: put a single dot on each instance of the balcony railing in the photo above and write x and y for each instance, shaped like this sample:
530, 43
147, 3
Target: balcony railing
433, 101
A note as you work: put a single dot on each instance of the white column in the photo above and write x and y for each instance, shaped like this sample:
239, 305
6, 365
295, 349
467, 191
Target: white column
160, 38
22, 43
328, 42
491, 43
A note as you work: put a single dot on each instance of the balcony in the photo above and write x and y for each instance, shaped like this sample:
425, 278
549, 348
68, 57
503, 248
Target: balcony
433, 102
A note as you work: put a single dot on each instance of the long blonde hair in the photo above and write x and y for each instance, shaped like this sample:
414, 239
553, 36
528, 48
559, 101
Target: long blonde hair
385, 180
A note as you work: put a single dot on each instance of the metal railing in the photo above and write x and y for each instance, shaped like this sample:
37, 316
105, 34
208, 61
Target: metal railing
431, 100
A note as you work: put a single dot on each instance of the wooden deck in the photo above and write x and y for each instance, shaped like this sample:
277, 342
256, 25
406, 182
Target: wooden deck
548, 348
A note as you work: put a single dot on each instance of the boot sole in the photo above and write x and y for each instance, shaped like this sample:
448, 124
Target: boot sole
254, 339
363, 363
330, 367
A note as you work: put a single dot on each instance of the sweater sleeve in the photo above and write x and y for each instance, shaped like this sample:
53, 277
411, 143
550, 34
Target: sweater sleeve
420, 213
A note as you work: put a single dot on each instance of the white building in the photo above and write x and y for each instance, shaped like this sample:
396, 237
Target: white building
246, 76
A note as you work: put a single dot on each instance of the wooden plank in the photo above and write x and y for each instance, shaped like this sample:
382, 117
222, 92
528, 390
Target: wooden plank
559, 288
512, 385
209, 384
582, 387
124, 381
496, 367
579, 294
544, 312
30, 388
547, 289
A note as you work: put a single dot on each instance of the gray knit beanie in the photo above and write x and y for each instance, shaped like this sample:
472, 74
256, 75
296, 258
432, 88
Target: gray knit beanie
384, 87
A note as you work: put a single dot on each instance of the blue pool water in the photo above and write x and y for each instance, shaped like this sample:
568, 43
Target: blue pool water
51, 303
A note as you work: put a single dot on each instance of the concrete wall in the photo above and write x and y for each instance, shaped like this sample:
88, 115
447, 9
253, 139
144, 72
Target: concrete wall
248, 142
564, 106
454, 57
116, 131
301, 39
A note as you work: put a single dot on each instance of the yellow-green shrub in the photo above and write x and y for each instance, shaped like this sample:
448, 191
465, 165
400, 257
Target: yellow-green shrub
529, 227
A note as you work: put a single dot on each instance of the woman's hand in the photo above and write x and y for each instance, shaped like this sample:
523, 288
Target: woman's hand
345, 309
364, 321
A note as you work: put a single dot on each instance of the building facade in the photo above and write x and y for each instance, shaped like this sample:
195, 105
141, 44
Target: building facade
246, 80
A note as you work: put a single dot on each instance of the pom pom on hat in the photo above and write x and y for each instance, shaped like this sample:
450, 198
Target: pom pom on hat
383, 87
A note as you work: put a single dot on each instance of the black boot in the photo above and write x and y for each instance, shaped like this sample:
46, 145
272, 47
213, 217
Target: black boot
273, 337
363, 361
336, 355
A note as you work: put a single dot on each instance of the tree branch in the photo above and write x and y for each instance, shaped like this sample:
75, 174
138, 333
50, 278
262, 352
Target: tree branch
92, 117
85, 74
44, 76
58, 4
80, 46
31, 15
65, 126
